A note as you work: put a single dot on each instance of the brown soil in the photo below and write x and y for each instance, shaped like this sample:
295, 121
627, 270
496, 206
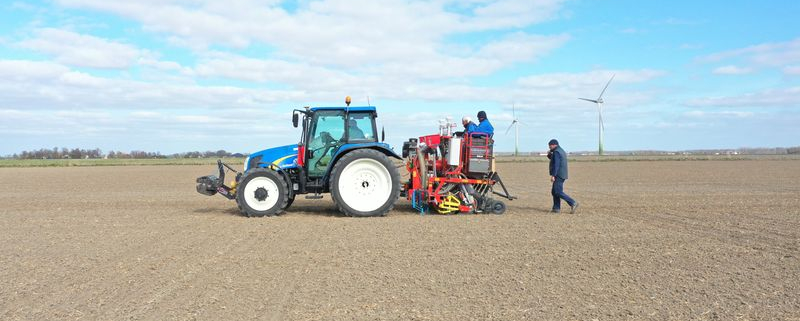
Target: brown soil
653, 240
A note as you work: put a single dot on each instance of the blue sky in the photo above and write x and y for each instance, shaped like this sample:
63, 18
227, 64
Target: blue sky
181, 75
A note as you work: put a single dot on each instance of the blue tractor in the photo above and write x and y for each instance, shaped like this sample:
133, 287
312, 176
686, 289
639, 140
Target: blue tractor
338, 153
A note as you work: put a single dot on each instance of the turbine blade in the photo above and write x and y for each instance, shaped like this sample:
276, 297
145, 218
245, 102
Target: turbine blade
606, 87
509, 127
514, 111
589, 100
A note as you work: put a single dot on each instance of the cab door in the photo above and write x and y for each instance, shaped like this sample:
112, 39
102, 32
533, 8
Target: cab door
327, 133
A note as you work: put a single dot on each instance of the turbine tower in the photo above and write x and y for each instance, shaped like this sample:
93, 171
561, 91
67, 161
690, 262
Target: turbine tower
515, 124
599, 102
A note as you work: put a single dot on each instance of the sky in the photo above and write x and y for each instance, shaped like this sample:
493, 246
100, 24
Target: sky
184, 75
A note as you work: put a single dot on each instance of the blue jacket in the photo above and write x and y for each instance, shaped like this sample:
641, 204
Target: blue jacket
470, 128
485, 127
558, 163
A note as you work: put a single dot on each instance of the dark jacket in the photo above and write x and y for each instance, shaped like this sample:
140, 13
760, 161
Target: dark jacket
558, 163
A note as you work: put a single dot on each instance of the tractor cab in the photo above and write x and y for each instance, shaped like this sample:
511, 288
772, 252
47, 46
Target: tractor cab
327, 131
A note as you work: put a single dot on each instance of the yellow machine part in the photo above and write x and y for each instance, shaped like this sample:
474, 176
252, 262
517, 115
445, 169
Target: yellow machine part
233, 187
450, 205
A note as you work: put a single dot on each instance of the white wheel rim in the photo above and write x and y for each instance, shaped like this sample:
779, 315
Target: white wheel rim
365, 185
250, 193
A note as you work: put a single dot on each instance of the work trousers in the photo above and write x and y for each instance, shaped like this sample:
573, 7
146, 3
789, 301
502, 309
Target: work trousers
558, 194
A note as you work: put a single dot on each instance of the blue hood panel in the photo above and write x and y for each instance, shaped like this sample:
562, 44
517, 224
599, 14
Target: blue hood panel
283, 157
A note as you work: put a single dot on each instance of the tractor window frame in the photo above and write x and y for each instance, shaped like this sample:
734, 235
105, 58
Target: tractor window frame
362, 115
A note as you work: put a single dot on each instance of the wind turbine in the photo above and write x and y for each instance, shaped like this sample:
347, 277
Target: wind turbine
515, 123
599, 102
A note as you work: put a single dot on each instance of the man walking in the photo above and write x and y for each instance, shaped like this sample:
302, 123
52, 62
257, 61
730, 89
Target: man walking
558, 174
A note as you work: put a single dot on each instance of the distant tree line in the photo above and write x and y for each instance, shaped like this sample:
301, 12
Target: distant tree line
207, 154
770, 151
737, 151
79, 153
134, 154
57, 153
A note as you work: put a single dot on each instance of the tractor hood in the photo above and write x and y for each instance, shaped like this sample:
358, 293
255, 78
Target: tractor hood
282, 157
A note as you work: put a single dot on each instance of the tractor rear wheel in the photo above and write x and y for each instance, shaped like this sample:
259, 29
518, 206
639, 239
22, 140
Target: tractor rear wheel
365, 183
262, 192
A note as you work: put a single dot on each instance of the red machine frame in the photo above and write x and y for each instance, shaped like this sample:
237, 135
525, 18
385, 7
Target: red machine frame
432, 168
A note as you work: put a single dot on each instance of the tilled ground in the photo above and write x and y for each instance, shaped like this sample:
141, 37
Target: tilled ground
653, 240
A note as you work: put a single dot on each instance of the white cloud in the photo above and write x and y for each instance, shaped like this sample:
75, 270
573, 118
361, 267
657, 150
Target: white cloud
179, 111
330, 32
82, 50
596, 78
562, 90
45, 85
788, 97
508, 13
732, 70
26, 70
231, 66
766, 55
162, 65
389, 80
145, 114
399, 52
387, 48
719, 114
792, 70
79, 79
521, 47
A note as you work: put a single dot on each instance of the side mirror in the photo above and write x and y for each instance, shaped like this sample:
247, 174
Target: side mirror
295, 119
383, 134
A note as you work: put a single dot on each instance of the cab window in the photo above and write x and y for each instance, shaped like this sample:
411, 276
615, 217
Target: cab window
361, 127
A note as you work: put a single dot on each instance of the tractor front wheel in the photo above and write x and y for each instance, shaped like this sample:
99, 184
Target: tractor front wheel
262, 192
365, 183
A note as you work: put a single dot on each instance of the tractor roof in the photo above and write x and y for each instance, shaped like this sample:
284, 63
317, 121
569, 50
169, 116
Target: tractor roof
355, 109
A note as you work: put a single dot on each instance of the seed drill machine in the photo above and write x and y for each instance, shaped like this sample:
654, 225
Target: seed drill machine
452, 172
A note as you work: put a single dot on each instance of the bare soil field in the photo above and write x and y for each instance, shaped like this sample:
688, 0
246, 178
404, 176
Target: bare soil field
661, 240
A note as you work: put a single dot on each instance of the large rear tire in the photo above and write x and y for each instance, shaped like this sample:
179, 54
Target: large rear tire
262, 192
365, 183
